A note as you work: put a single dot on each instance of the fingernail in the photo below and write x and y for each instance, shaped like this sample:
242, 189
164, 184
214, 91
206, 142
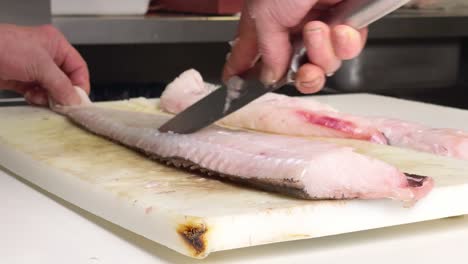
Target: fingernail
255, 60
28, 95
342, 37
267, 76
39, 100
311, 84
233, 42
34, 98
228, 55
315, 36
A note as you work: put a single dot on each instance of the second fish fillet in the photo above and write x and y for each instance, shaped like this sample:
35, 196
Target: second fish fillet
271, 112
280, 114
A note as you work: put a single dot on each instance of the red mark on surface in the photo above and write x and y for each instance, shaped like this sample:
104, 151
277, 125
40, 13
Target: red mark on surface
348, 128
148, 210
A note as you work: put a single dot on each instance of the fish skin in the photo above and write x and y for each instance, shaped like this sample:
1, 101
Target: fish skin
285, 115
293, 166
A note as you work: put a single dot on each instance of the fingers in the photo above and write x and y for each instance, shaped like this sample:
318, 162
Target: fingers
15, 86
32, 93
319, 46
65, 56
244, 49
347, 42
36, 96
310, 78
264, 29
326, 48
45, 79
52, 79
274, 46
73, 65
42, 57
76, 69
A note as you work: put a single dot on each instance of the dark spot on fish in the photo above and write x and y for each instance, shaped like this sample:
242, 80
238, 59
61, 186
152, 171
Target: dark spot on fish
290, 180
415, 180
387, 140
194, 236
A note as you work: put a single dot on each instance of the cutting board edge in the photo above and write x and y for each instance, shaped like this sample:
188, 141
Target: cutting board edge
97, 202
226, 223
274, 226
220, 229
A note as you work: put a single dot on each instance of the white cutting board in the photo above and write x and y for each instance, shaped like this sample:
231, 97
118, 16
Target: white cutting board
166, 205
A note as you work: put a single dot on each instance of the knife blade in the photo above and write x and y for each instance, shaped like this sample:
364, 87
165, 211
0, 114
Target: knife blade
221, 102
240, 91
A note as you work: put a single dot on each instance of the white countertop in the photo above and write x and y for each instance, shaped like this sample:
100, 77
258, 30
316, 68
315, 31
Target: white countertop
36, 227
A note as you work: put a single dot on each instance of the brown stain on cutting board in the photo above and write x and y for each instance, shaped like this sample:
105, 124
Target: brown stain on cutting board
194, 235
298, 236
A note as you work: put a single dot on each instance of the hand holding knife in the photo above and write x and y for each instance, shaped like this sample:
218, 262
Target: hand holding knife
238, 91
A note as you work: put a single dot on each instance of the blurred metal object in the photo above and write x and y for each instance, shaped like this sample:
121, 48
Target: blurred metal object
437, 4
393, 66
357, 14
8, 98
150, 29
171, 28
25, 12
217, 7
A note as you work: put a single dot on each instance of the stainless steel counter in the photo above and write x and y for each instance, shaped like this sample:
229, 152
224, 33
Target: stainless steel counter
146, 29
191, 29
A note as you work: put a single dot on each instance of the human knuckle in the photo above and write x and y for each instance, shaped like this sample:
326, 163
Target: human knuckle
49, 30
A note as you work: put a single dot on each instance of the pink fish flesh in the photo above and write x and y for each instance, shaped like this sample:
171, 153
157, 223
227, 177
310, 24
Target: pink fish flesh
293, 166
272, 112
440, 141
281, 114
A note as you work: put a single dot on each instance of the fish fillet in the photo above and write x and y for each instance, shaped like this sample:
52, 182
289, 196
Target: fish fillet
293, 166
281, 114
271, 113
440, 141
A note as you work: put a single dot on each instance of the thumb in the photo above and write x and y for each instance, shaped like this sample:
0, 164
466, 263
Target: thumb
274, 21
244, 51
275, 49
52, 79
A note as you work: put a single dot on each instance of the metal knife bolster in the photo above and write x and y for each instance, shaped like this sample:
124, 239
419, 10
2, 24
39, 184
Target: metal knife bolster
355, 13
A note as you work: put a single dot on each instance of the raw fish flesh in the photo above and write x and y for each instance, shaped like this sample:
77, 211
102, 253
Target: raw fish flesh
281, 114
272, 112
293, 166
445, 142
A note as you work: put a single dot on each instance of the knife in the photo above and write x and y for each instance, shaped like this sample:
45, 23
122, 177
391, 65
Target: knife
239, 91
